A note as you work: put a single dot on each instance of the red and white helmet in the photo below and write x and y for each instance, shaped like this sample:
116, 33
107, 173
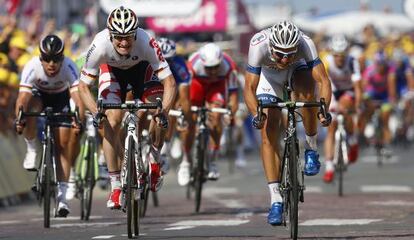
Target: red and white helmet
122, 21
211, 55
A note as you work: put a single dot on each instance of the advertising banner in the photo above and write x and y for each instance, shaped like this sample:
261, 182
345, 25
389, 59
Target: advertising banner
210, 17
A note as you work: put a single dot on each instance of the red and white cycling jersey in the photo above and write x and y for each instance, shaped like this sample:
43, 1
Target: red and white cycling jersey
101, 51
211, 89
34, 76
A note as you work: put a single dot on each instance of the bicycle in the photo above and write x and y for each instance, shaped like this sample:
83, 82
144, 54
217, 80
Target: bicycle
46, 180
198, 172
135, 171
378, 138
340, 159
87, 172
292, 182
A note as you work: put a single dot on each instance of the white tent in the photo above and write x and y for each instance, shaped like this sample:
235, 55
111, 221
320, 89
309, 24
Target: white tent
352, 22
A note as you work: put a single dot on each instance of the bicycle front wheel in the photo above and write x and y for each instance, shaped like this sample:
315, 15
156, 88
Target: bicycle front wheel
340, 169
294, 190
47, 184
199, 170
131, 203
89, 182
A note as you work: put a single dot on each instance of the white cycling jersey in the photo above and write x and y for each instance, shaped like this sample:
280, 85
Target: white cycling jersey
342, 78
272, 78
145, 48
33, 76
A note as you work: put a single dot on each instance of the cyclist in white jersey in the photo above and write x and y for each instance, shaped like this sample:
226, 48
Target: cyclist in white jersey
54, 79
126, 55
344, 72
277, 55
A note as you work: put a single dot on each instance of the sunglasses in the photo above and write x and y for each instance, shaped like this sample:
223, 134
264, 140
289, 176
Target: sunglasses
212, 68
123, 37
280, 54
56, 59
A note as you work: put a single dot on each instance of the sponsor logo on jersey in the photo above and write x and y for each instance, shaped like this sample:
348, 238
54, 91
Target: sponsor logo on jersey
88, 54
157, 49
258, 39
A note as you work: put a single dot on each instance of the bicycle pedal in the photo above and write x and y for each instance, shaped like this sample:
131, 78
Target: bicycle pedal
34, 189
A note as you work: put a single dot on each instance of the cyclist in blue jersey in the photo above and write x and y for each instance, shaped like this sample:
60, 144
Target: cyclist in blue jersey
182, 77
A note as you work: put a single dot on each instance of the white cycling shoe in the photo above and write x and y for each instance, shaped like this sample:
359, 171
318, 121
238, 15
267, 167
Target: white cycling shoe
29, 162
63, 209
184, 173
213, 173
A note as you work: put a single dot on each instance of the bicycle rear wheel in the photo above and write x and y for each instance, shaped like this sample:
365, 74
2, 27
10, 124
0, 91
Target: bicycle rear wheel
143, 207
131, 203
89, 182
199, 172
47, 183
340, 168
294, 190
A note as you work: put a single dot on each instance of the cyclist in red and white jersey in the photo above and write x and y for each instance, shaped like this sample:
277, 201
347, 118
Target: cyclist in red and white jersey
344, 72
54, 78
124, 56
213, 84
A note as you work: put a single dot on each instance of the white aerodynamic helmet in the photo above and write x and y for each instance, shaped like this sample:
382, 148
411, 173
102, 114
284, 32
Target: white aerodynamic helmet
122, 21
211, 55
167, 47
284, 35
338, 44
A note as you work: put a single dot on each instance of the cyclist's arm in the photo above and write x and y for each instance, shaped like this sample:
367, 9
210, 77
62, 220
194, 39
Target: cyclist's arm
233, 102
87, 97
22, 100
324, 84
410, 79
392, 88
358, 93
249, 92
170, 91
74, 94
184, 100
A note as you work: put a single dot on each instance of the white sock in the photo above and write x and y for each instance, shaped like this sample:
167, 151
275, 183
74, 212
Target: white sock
329, 166
352, 139
115, 178
185, 158
166, 148
155, 154
62, 187
312, 142
274, 192
213, 154
31, 144
240, 151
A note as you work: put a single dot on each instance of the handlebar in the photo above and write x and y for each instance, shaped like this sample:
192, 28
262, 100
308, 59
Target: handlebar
213, 110
49, 114
129, 105
293, 105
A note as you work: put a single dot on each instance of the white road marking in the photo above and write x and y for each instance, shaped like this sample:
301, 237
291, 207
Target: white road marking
373, 159
102, 224
126, 235
216, 191
244, 215
196, 223
386, 188
103, 237
5, 222
178, 228
313, 189
70, 218
392, 203
230, 203
338, 222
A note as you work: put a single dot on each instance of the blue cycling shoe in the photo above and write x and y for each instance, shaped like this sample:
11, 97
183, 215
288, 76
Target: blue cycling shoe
312, 164
275, 214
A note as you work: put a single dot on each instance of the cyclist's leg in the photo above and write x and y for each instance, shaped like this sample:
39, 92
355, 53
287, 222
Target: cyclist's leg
63, 166
112, 91
30, 135
269, 90
385, 116
329, 145
305, 90
215, 98
347, 106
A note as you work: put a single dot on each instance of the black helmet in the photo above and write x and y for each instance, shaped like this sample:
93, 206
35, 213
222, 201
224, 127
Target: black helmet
51, 48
